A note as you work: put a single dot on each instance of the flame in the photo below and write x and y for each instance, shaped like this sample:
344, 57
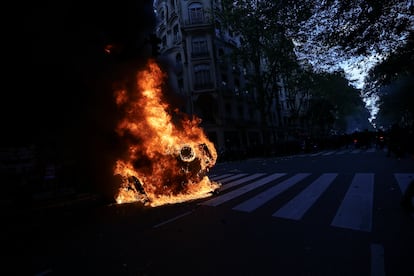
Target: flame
166, 160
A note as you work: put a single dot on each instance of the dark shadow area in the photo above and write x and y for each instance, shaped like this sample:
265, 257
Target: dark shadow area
58, 121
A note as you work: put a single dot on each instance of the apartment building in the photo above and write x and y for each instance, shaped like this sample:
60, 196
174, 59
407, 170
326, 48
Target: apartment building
213, 84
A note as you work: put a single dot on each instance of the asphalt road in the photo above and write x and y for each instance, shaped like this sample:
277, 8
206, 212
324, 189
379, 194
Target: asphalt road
332, 213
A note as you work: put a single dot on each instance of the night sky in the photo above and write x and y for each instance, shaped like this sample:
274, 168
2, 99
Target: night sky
60, 95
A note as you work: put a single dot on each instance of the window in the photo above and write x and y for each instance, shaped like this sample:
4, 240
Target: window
199, 46
178, 64
195, 13
202, 76
180, 83
176, 34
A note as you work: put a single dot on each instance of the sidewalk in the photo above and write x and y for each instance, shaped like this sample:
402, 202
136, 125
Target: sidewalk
73, 201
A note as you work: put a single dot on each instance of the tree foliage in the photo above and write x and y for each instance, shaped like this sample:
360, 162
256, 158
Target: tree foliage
398, 64
354, 29
330, 36
264, 45
334, 101
397, 102
393, 82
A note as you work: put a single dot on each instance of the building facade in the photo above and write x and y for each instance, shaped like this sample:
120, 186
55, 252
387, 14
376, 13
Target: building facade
213, 84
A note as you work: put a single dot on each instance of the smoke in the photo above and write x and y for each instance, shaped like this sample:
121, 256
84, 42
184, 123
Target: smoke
65, 101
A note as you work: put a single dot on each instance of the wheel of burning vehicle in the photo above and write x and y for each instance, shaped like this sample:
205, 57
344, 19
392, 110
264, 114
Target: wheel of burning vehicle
187, 153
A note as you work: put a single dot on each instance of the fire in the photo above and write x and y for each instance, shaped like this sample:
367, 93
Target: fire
166, 159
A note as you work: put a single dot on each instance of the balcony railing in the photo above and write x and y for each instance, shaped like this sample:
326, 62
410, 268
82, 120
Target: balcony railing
198, 21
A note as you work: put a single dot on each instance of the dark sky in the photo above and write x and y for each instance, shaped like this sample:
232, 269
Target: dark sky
58, 94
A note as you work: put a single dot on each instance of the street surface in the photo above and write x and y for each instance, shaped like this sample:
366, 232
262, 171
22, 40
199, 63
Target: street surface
330, 213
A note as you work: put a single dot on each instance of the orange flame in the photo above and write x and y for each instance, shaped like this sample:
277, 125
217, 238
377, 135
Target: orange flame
165, 162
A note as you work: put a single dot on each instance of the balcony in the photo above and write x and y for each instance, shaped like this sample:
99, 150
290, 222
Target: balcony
198, 22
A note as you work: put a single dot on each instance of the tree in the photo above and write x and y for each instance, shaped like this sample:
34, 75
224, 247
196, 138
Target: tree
354, 35
353, 28
334, 102
330, 36
397, 103
397, 64
392, 81
263, 47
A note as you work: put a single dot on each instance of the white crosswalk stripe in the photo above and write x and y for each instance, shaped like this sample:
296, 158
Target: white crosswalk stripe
241, 181
267, 195
403, 180
355, 211
245, 189
342, 151
220, 177
297, 207
328, 153
232, 177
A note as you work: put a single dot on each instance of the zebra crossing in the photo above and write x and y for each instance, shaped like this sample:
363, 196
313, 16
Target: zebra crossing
355, 210
342, 151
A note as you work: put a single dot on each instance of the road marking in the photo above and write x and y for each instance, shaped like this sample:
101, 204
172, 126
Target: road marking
216, 178
328, 153
377, 260
257, 201
232, 177
298, 206
241, 181
355, 211
403, 180
171, 219
245, 189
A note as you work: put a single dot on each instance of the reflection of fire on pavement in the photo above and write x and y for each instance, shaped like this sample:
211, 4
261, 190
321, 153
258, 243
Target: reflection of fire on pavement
165, 161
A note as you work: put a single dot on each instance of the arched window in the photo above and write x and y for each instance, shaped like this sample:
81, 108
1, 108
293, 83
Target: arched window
196, 13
